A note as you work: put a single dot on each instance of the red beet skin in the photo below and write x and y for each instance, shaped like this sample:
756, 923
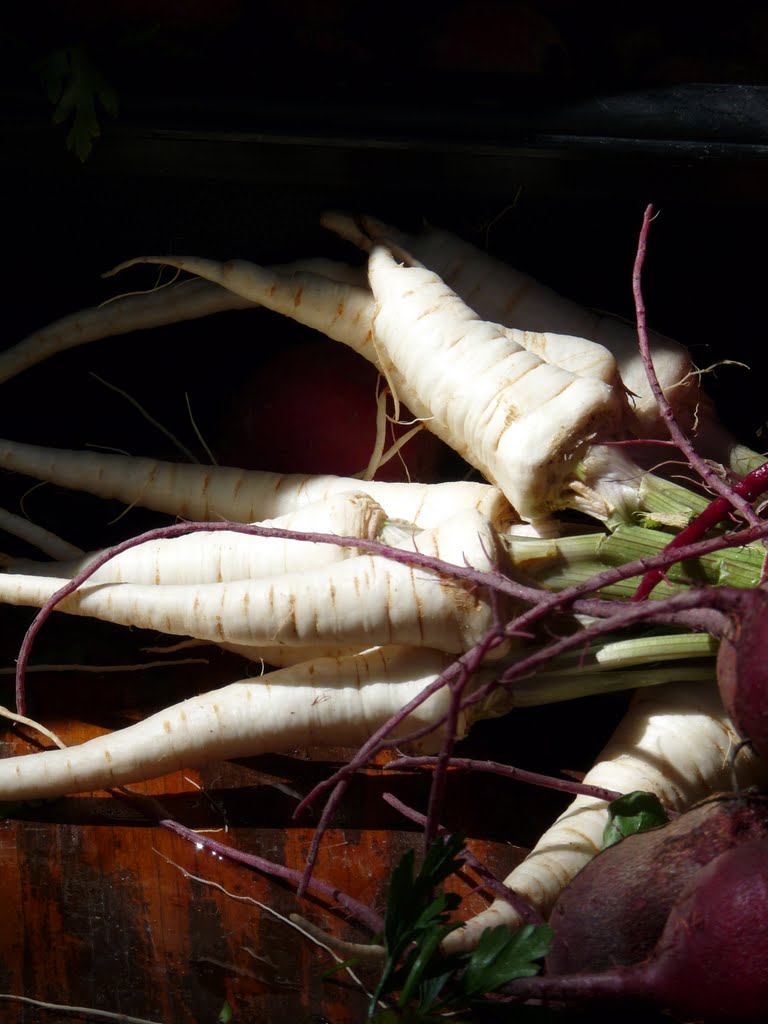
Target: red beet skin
712, 960
742, 669
615, 910
312, 409
710, 965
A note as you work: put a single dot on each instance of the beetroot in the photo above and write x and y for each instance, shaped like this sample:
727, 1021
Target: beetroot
711, 962
311, 408
615, 910
742, 668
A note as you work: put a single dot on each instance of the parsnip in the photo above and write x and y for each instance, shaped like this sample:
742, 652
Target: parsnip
360, 602
243, 496
676, 742
172, 303
222, 556
341, 310
328, 702
49, 543
522, 422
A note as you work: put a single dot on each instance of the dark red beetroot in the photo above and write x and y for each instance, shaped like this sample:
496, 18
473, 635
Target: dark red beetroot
615, 910
312, 409
742, 669
711, 962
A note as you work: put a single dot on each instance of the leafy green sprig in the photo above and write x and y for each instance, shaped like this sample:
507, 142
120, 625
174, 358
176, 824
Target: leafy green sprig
631, 813
77, 89
419, 984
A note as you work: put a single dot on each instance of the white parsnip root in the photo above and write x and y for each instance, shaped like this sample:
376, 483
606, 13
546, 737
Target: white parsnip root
49, 543
360, 602
328, 703
675, 742
223, 556
243, 496
523, 423
172, 303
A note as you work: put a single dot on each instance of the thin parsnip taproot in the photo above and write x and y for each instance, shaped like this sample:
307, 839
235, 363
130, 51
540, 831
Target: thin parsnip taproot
221, 557
328, 702
360, 602
209, 493
676, 742
341, 310
175, 302
49, 543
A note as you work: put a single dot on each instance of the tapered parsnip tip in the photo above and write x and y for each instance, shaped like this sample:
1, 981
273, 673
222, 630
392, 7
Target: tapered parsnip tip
136, 260
359, 230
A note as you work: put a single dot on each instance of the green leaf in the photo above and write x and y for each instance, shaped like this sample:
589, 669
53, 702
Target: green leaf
501, 956
419, 963
75, 87
416, 920
399, 906
225, 1014
410, 899
432, 985
436, 911
633, 812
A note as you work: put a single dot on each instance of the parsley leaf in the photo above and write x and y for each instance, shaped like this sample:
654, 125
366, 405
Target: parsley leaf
75, 87
633, 812
417, 981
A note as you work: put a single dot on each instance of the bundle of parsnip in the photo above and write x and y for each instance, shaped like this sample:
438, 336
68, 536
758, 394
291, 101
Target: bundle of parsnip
346, 585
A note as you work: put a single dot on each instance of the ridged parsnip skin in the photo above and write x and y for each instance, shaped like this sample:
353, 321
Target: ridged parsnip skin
329, 702
522, 422
580, 356
500, 293
222, 556
675, 741
243, 496
360, 602
341, 310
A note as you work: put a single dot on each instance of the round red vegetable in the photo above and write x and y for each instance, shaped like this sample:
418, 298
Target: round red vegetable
615, 909
710, 963
311, 408
742, 668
